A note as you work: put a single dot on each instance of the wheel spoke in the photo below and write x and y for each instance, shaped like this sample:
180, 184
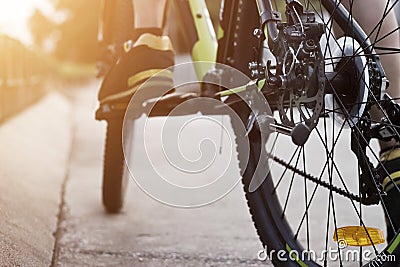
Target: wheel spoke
350, 108
291, 184
284, 172
305, 201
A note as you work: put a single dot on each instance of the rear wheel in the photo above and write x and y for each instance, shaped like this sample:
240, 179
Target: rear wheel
311, 192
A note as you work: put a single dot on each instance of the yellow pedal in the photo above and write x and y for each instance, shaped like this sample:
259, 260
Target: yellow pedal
358, 236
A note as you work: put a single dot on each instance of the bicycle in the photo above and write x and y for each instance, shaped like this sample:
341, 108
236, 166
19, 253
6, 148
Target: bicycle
303, 70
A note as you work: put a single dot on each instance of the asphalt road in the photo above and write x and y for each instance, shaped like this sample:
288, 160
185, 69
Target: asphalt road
146, 233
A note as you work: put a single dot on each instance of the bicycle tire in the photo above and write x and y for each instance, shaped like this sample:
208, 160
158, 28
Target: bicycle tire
267, 210
114, 174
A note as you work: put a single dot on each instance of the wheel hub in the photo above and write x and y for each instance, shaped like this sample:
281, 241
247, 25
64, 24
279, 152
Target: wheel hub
347, 105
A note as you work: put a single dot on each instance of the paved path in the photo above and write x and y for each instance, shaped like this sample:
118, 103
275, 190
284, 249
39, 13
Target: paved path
147, 233
35, 146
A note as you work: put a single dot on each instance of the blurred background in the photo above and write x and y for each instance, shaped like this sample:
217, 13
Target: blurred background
48, 42
44, 44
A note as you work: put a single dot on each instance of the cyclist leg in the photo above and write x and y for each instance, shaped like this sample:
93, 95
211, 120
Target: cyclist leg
148, 53
105, 38
149, 13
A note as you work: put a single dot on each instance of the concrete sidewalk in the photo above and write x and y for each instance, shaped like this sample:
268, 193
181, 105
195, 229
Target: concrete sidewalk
35, 148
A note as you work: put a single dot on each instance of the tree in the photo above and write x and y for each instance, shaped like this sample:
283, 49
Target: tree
41, 28
76, 32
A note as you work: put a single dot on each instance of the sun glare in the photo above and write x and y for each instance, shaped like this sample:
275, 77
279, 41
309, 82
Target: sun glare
14, 16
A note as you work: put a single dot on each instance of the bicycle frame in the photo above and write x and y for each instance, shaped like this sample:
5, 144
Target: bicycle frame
205, 45
200, 35
199, 32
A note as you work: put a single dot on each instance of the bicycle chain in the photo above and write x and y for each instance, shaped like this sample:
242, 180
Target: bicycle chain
314, 179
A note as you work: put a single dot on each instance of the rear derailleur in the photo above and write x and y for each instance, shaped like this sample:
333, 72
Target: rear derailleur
387, 130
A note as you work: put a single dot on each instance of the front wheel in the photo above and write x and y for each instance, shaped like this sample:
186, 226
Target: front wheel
114, 174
